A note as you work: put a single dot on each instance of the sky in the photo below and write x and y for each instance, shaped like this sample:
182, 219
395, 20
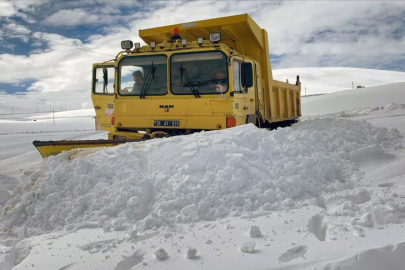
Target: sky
48, 47
325, 193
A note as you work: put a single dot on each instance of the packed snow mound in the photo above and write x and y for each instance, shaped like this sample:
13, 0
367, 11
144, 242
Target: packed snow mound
8, 182
203, 176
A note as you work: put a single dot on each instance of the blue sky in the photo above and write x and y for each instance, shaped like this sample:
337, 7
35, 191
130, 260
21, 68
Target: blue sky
36, 37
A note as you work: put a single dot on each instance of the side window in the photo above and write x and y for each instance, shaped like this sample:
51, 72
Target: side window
236, 76
102, 75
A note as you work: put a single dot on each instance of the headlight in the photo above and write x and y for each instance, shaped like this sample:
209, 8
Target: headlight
215, 37
126, 44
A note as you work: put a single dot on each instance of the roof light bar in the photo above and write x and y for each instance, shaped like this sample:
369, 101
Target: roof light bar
137, 45
152, 45
184, 42
200, 41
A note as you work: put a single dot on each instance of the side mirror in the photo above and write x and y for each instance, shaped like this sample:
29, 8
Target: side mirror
247, 75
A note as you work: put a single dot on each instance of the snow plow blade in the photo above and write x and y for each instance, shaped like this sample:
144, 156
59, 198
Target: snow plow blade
51, 148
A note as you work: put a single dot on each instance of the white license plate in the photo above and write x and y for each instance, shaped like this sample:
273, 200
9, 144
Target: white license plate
166, 123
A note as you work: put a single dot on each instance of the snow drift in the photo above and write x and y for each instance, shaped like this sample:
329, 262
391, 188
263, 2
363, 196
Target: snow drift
206, 176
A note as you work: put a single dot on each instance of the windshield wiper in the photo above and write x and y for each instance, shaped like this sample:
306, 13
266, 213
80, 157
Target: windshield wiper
190, 83
148, 81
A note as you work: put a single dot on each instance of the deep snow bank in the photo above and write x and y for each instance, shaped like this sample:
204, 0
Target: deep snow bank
203, 176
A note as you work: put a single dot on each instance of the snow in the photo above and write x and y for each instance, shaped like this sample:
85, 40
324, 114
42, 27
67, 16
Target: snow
361, 101
325, 193
325, 80
78, 120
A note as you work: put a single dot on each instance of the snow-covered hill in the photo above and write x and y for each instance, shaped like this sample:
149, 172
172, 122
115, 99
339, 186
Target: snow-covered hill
327, 193
326, 80
362, 98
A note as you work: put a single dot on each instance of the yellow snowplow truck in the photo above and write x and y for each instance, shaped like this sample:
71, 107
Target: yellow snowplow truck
202, 75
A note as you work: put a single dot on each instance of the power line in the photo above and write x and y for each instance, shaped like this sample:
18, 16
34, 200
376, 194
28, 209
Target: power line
44, 39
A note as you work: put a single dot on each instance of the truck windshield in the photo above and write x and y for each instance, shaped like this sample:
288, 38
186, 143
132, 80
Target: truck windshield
143, 76
198, 73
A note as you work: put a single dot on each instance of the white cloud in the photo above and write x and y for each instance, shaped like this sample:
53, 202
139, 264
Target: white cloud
6, 45
13, 30
20, 9
357, 29
27, 18
7, 9
19, 28
80, 13
72, 17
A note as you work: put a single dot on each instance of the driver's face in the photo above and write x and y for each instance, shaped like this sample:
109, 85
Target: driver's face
137, 79
220, 75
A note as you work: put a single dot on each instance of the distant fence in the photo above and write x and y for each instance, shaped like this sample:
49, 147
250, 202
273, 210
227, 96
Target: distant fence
33, 110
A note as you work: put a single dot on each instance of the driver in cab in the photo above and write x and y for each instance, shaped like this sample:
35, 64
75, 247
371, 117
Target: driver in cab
138, 83
220, 81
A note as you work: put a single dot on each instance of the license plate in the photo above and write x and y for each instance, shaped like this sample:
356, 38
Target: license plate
166, 123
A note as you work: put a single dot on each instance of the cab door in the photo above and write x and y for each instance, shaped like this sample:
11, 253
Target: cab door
102, 94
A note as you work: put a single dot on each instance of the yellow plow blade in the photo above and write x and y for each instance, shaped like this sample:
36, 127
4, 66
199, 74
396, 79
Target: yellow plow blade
51, 148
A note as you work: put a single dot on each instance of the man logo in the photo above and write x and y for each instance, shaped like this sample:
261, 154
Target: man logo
166, 106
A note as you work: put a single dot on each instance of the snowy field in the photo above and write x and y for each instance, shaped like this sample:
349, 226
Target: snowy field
324, 80
327, 193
